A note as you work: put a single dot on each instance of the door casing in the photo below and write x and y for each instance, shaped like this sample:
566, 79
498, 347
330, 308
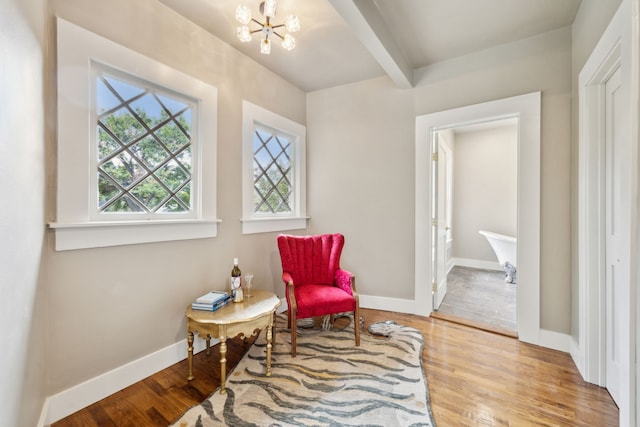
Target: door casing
527, 109
588, 346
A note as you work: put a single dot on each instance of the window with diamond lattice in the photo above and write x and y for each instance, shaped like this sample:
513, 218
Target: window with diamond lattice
143, 148
272, 171
137, 147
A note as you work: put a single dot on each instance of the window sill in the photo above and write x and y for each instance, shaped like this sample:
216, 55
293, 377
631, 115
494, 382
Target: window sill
104, 234
266, 225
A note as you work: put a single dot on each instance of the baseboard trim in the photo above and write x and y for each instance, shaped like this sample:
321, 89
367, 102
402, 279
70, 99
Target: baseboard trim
476, 263
578, 358
84, 394
44, 414
555, 340
393, 304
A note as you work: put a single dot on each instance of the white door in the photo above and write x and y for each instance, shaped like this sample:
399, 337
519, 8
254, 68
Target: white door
617, 235
441, 205
608, 214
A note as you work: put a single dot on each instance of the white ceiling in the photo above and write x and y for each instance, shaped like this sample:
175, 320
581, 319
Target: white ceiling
344, 41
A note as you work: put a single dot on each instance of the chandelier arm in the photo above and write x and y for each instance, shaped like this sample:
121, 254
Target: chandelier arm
244, 33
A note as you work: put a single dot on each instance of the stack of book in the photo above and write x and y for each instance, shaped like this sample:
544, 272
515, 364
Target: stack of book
211, 301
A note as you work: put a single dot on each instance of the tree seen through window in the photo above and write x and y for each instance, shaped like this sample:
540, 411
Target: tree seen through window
272, 172
143, 149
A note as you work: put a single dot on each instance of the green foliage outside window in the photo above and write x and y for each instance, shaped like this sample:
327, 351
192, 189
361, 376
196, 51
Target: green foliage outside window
272, 171
144, 151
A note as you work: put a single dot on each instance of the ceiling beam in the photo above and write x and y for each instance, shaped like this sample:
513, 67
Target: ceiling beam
364, 19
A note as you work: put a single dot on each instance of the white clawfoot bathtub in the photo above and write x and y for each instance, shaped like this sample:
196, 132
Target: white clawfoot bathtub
506, 250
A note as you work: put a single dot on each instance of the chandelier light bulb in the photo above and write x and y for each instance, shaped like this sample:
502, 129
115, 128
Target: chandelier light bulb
243, 14
270, 8
244, 34
292, 23
288, 42
265, 46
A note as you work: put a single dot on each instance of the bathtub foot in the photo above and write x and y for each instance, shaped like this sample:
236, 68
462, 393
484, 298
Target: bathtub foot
509, 273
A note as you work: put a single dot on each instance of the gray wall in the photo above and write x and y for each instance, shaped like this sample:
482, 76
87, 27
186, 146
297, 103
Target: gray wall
361, 141
485, 193
110, 306
67, 319
22, 174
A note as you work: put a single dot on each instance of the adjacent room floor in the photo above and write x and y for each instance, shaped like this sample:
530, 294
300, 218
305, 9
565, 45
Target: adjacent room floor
480, 298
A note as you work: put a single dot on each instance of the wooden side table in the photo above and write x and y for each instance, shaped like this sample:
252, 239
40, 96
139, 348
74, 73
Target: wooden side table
242, 318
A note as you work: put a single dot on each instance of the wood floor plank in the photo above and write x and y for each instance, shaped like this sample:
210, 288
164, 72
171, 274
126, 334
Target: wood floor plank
475, 378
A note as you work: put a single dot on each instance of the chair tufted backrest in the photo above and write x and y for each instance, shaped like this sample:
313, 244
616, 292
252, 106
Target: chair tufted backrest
311, 259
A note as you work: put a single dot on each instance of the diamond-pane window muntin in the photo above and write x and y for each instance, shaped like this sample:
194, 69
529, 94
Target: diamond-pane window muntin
272, 172
143, 148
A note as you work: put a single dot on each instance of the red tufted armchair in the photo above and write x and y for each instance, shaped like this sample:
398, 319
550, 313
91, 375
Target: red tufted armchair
316, 285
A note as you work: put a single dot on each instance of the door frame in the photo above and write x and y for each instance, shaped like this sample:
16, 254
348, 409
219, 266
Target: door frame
441, 145
588, 344
527, 109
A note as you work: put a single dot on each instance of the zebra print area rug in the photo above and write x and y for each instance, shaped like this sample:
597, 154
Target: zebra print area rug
331, 382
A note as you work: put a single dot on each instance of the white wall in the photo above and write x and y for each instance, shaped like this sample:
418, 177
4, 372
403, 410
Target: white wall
22, 175
485, 195
361, 161
110, 306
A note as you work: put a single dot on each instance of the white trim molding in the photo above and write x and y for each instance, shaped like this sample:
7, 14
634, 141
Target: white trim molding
74, 226
266, 225
104, 234
527, 109
476, 263
84, 394
617, 50
253, 116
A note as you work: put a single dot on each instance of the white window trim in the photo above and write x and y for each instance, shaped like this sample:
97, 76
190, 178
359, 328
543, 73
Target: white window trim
95, 214
261, 223
73, 227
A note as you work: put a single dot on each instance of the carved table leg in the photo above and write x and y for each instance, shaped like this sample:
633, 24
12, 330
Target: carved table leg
208, 340
223, 363
190, 355
269, 337
273, 327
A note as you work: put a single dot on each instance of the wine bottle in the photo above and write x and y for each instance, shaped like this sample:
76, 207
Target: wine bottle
236, 282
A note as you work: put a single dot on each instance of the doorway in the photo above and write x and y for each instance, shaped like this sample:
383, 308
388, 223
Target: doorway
527, 109
474, 206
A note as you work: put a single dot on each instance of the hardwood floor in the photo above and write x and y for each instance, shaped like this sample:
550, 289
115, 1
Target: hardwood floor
475, 378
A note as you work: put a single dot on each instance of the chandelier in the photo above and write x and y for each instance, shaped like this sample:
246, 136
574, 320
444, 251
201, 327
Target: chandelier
268, 11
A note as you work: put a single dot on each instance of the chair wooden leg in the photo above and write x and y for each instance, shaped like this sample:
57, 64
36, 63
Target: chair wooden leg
356, 325
294, 335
